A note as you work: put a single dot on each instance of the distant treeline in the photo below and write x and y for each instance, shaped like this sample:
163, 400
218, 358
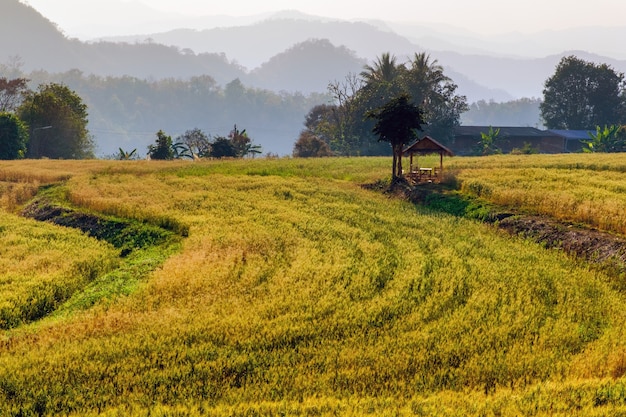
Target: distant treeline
126, 112
522, 112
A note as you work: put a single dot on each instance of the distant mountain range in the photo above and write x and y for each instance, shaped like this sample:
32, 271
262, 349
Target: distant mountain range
280, 52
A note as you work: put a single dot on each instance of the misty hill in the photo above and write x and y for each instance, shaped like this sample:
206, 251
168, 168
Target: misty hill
41, 46
32, 37
251, 52
288, 63
605, 41
254, 44
307, 67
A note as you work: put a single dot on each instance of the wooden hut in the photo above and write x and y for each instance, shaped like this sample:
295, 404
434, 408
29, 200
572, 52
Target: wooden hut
426, 146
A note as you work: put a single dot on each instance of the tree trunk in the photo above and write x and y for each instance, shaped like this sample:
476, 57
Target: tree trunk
399, 158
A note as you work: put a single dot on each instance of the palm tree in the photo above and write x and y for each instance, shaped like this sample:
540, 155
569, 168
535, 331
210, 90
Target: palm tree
381, 82
435, 92
424, 77
384, 70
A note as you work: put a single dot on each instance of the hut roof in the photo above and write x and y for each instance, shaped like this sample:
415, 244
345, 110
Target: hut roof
572, 134
427, 146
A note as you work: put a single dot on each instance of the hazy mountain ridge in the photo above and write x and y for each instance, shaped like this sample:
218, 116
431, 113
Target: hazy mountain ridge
254, 44
287, 70
510, 72
605, 41
250, 52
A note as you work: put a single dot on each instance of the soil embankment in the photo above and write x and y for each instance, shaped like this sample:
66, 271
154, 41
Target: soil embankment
595, 246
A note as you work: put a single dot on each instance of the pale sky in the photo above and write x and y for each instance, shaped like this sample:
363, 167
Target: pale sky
89, 18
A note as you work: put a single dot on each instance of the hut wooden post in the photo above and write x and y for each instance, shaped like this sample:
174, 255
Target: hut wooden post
440, 165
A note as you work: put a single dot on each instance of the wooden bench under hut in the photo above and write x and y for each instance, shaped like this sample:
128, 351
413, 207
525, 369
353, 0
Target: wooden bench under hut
426, 146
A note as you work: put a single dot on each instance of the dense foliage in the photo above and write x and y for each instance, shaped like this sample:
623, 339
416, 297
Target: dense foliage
397, 123
345, 125
606, 139
309, 145
13, 137
57, 120
583, 95
125, 111
162, 148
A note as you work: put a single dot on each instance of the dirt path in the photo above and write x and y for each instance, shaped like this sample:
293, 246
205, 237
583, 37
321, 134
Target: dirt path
589, 244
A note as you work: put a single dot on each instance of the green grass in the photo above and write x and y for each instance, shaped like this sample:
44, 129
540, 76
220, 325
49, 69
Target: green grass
42, 266
298, 292
580, 188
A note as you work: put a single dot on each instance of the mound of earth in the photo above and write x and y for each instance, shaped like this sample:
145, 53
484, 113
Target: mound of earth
590, 244
121, 233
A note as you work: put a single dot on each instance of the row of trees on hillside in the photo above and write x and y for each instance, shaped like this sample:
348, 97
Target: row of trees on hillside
124, 110
520, 112
345, 126
50, 122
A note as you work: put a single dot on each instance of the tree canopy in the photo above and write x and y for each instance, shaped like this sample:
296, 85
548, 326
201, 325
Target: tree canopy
57, 123
309, 145
397, 122
13, 137
11, 93
162, 148
582, 95
346, 127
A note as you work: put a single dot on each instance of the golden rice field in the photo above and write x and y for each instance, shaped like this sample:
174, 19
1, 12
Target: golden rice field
292, 290
581, 188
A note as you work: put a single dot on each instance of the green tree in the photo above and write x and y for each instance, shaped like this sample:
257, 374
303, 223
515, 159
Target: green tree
582, 95
222, 147
321, 121
606, 139
310, 146
345, 118
488, 144
162, 148
384, 71
396, 123
13, 137
422, 79
197, 143
57, 119
426, 83
240, 141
